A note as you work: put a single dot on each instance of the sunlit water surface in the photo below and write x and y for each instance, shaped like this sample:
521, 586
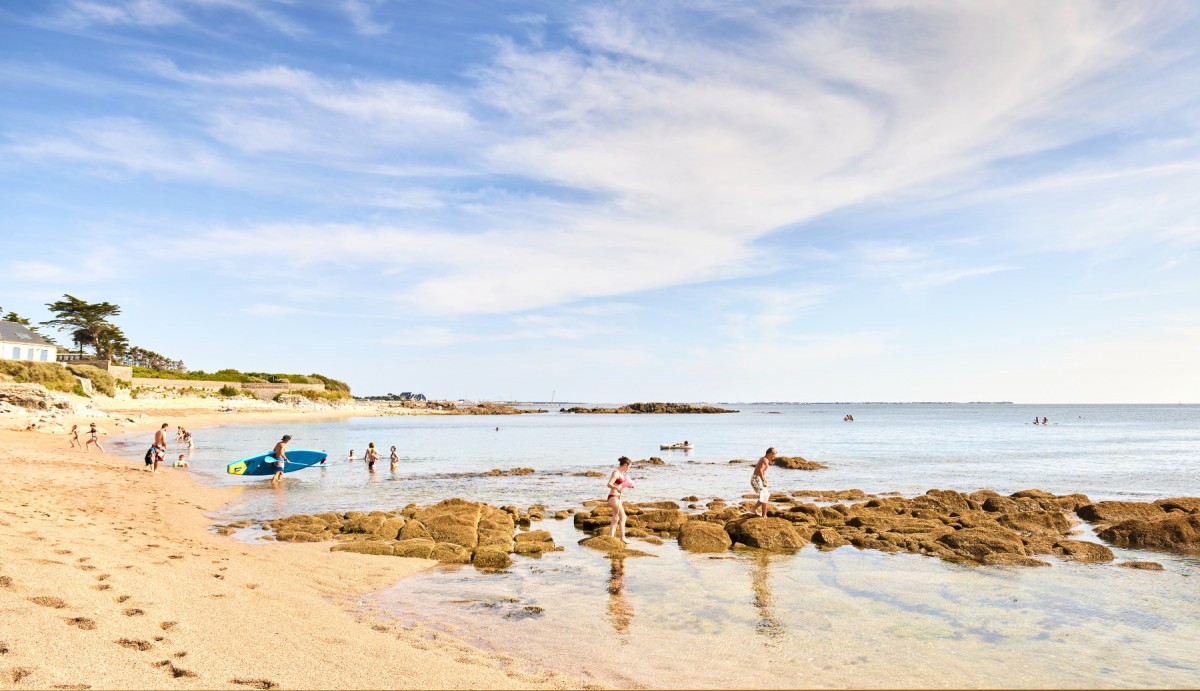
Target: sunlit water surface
841, 618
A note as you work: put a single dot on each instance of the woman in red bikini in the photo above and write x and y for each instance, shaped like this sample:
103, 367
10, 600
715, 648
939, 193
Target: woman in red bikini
618, 481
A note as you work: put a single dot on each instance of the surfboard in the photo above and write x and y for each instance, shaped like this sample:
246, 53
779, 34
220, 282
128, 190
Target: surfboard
264, 463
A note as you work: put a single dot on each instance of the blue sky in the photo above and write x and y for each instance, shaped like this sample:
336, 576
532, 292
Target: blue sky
692, 201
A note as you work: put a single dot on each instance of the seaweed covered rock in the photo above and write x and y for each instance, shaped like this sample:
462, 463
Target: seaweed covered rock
978, 543
774, 534
1117, 511
365, 547
703, 536
1175, 531
797, 463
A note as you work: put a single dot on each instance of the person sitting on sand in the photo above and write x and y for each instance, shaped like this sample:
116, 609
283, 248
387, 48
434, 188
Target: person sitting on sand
619, 481
93, 438
280, 455
758, 482
394, 458
181, 463
371, 456
74, 437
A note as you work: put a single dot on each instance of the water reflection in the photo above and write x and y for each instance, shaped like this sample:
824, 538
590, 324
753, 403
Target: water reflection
768, 624
620, 611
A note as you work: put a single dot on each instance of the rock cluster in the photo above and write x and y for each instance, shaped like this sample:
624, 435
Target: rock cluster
451, 531
650, 409
981, 527
1164, 524
32, 397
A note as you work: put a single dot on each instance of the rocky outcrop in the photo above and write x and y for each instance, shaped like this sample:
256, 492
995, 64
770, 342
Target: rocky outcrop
1142, 565
496, 472
1176, 531
773, 534
1082, 551
797, 463
1117, 511
702, 536
32, 397
453, 531
650, 409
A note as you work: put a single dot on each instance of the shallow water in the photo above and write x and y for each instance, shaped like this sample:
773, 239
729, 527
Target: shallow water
841, 618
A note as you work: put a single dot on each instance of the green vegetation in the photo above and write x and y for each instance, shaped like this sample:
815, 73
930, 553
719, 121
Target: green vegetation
318, 395
50, 375
232, 375
228, 391
88, 324
102, 381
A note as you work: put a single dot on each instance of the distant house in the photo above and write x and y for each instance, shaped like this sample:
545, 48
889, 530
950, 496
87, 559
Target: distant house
410, 396
17, 342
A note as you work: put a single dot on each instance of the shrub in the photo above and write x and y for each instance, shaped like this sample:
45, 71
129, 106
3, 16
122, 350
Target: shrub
49, 374
102, 381
321, 395
331, 384
227, 391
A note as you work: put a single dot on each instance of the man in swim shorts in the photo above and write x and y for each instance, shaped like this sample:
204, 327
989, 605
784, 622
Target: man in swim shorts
280, 454
758, 481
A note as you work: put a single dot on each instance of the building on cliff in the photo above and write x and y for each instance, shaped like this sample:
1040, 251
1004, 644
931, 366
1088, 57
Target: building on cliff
17, 342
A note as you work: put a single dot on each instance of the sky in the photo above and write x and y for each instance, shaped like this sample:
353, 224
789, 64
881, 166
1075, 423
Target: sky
891, 200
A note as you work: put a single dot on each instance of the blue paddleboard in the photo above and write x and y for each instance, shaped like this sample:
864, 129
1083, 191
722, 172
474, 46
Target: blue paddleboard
264, 463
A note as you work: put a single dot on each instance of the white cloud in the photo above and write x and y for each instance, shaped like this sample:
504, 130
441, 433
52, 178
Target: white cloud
132, 147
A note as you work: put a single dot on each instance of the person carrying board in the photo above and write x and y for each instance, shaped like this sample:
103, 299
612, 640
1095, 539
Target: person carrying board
280, 454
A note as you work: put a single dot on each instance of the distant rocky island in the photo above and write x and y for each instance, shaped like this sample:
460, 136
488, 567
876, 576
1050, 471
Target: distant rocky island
650, 409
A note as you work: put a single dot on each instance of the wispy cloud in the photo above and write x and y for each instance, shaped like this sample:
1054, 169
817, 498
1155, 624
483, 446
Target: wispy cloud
361, 16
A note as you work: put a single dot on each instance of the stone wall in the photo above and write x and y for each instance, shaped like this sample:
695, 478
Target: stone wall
117, 371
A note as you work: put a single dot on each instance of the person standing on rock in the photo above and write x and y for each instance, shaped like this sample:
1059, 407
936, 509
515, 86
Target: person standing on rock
617, 482
758, 482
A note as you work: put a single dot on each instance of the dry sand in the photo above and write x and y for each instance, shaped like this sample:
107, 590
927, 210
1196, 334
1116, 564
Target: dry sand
111, 578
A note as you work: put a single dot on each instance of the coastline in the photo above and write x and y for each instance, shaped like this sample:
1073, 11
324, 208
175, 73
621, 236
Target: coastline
119, 583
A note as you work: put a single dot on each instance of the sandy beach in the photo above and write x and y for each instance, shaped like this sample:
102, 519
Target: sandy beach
112, 579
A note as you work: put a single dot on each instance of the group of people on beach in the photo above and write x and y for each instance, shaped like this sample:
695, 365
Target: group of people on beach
372, 455
157, 453
618, 482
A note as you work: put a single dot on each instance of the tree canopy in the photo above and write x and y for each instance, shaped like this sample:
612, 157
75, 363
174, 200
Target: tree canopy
88, 323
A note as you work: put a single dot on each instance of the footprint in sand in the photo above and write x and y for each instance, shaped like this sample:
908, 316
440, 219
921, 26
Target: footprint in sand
103, 577
169, 625
103, 586
218, 576
181, 653
71, 686
175, 671
46, 601
6, 582
134, 644
254, 683
19, 673
122, 598
133, 612
81, 623
3, 648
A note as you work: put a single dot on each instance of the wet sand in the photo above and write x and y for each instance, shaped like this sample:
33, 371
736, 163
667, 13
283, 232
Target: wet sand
111, 578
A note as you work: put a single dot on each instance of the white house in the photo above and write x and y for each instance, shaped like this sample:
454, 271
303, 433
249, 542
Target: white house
17, 342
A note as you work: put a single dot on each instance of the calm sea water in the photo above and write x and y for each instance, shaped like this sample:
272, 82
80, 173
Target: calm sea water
828, 619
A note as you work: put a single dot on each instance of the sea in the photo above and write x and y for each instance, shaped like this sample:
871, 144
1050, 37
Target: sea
821, 619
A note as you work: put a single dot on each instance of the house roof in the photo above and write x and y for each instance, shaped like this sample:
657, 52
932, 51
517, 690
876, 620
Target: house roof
12, 332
